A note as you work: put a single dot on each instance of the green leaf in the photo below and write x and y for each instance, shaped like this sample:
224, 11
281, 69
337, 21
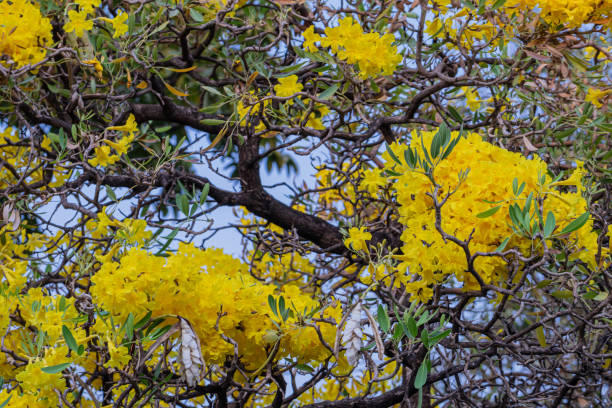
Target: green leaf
433, 340
169, 239
70, 341
543, 283
549, 226
204, 193
489, 212
196, 15
393, 156
576, 224
160, 332
453, 113
305, 367
425, 318
397, 332
142, 322
425, 338
55, 368
515, 186
520, 189
412, 327
498, 4
6, 401
383, 319
110, 193
272, 303
411, 158
329, 92
541, 337
182, 202
421, 376
129, 326
212, 122
502, 246
563, 294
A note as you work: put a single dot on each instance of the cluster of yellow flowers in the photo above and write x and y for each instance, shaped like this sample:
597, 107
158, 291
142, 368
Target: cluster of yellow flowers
570, 13
250, 106
565, 13
217, 295
79, 23
215, 292
23, 165
102, 154
349, 43
24, 33
428, 259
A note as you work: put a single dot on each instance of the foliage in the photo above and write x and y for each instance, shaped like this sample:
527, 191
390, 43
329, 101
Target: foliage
431, 226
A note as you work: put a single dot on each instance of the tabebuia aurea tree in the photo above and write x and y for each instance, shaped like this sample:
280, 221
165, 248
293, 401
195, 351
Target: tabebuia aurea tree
258, 203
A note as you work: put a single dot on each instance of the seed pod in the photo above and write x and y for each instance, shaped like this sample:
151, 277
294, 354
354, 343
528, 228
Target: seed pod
351, 336
190, 354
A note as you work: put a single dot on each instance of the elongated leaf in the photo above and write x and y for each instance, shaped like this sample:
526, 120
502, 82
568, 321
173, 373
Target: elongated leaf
129, 326
70, 341
142, 322
549, 226
502, 246
175, 91
383, 319
488, 212
212, 122
412, 327
6, 401
421, 376
393, 156
272, 303
181, 69
55, 368
216, 140
576, 224
329, 92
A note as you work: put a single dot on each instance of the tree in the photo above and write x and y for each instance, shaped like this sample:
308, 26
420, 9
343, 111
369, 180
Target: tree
422, 191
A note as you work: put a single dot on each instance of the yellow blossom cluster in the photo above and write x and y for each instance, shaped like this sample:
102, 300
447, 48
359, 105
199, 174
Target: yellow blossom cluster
349, 43
24, 33
20, 165
251, 107
570, 13
218, 296
102, 154
428, 259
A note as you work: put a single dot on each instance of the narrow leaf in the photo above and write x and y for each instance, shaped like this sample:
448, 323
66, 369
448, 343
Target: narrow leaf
576, 224
488, 212
421, 376
329, 92
70, 341
383, 319
55, 368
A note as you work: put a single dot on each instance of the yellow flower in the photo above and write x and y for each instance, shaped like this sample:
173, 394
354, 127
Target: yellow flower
287, 86
595, 96
310, 38
97, 66
119, 356
78, 23
118, 23
103, 157
471, 98
433, 27
122, 145
88, 6
24, 33
130, 127
357, 239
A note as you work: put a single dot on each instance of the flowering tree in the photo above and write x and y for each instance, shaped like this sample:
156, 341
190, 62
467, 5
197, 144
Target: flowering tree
430, 226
